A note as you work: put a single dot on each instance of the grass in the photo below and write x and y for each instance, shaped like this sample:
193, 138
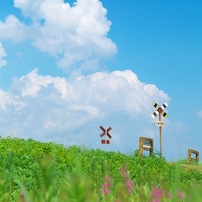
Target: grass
35, 171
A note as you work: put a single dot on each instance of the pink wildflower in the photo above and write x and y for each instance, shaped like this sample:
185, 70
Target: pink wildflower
128, 183
107, 185
105, 191
129, 186
180, 195
157, 193
22, 195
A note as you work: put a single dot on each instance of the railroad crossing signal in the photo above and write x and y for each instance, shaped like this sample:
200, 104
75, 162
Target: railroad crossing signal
159, 111
105, 141
106, 134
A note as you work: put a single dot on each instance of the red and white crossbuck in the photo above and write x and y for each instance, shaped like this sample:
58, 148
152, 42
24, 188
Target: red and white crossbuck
106, 134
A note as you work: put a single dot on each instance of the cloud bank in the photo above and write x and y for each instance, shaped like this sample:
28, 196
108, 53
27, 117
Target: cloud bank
54, 109
75, 35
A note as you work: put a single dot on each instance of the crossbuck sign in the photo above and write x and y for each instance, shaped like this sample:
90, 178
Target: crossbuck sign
106, 134
160, 123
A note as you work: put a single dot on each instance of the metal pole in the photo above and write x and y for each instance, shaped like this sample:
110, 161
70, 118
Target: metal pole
160, 132
105, 140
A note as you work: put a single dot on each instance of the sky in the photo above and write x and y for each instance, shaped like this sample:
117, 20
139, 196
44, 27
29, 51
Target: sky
68, 67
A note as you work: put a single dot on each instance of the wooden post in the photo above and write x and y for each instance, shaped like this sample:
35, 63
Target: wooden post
140, 146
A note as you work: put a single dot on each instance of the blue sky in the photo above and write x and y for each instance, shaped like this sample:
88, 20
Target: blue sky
68, 67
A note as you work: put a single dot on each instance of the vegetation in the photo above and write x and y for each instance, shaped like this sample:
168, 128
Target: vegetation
35, 171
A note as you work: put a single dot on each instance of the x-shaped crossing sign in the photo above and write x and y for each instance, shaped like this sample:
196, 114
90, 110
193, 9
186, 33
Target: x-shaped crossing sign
105, 132
159, 110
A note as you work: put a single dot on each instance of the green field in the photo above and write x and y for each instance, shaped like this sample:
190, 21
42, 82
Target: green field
35, 171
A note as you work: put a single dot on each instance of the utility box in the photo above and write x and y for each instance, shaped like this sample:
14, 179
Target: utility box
196, 153
145, 144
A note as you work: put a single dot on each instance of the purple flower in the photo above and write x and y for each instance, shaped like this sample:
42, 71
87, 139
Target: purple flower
157, 193
180, 195
22, 195
129, 186
106, 185
126, 177
105, 191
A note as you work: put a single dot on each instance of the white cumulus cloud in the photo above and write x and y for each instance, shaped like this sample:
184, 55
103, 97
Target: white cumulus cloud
177, 128
199, 114
2, 54
76, 35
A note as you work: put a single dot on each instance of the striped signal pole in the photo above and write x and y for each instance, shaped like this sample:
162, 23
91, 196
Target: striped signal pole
160, 111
